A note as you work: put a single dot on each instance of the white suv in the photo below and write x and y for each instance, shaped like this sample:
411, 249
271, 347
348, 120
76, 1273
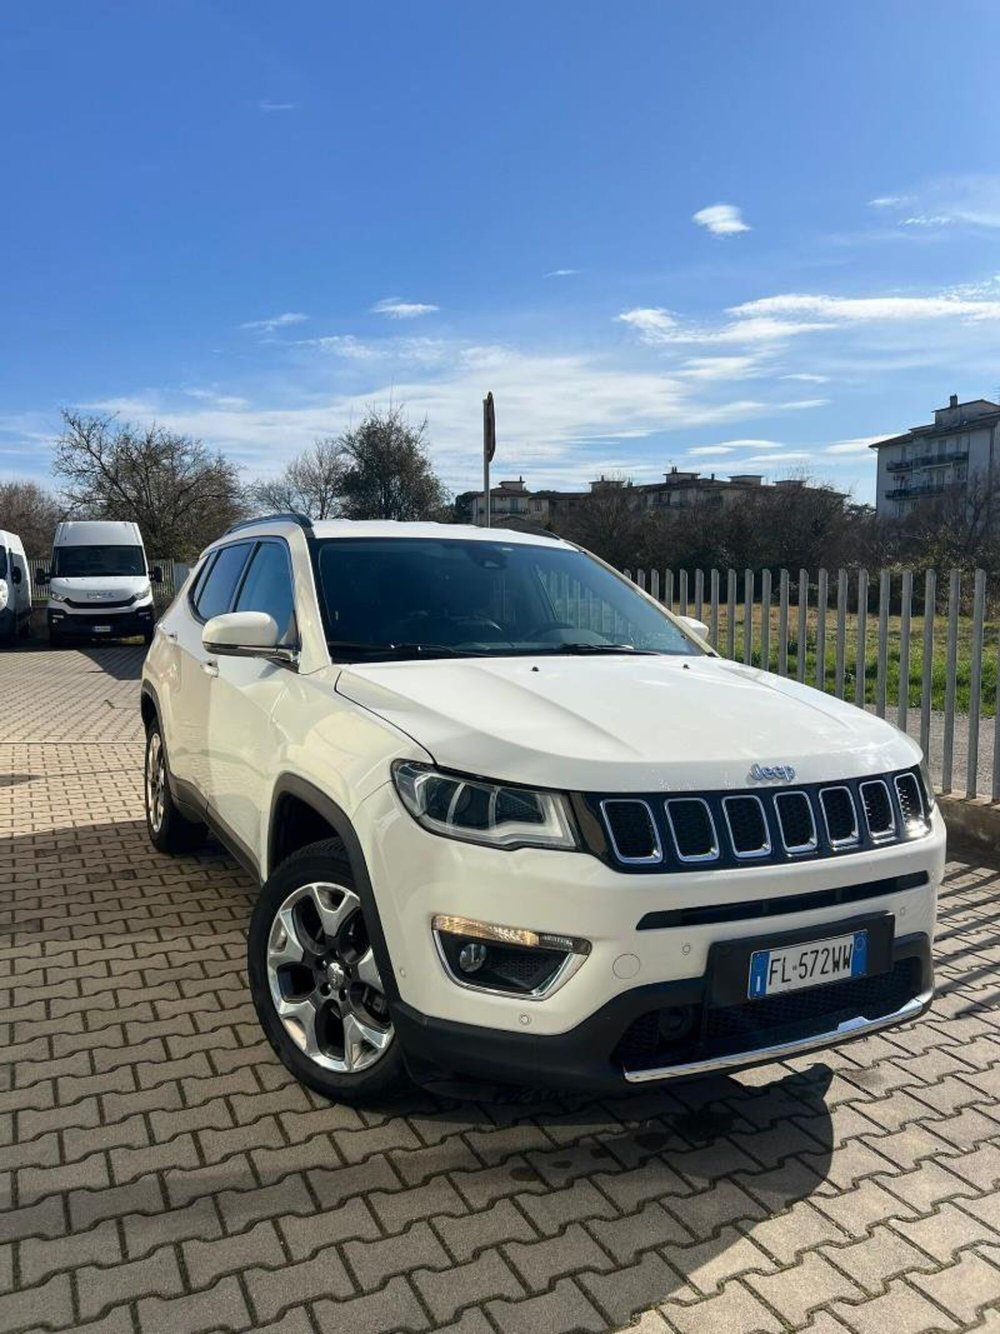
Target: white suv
514, 820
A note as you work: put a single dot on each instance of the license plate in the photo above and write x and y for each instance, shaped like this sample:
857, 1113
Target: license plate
101, 629
807, 965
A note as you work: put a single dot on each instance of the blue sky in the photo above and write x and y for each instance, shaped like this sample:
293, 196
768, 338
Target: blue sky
733, 236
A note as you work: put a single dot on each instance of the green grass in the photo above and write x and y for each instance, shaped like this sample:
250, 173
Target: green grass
894, 685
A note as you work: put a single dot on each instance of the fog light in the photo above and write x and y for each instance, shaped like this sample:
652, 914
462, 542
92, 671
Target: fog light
471, 957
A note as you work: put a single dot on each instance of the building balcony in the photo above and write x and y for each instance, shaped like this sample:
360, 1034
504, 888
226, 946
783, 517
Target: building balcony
919, 492
927, 461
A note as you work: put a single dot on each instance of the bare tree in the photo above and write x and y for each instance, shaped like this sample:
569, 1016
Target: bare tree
30, 511
311, 484
179, 492
387, 472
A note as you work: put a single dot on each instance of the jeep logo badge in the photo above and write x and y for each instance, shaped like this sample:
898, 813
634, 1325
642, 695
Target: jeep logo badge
761, 773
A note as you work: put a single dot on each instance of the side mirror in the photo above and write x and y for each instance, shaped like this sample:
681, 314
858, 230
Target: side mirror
42, 577
156, 574
15, 573
692, 623
246, 634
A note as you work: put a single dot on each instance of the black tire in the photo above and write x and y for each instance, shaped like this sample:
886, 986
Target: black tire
322, 1060
169, 831
56, 640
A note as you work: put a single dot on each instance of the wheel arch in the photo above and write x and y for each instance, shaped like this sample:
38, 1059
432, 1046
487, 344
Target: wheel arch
294, 794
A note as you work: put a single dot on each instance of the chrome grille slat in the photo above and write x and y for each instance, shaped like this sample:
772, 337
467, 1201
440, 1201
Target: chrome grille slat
746, 821
697, 834
623, 818
877, 805
911, 802
837, 805
790, 805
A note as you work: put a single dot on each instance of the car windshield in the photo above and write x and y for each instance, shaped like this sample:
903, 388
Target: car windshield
79, 562
447, 597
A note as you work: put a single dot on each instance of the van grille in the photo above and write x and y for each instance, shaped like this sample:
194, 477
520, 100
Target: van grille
703, 830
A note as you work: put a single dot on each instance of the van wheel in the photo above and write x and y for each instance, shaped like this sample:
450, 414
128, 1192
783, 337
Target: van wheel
314, 980
168, 830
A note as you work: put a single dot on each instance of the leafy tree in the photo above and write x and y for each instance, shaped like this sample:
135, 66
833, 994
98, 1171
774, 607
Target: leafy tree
32, 512
180, 493
311, 484
387, 473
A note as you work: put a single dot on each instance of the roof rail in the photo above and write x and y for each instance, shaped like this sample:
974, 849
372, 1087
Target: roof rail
285, 516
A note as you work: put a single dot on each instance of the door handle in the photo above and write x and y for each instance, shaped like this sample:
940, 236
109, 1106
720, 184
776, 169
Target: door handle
210, 668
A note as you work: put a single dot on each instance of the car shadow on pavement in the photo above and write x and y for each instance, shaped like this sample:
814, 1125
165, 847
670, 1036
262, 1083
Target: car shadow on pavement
122, 661
640, 1197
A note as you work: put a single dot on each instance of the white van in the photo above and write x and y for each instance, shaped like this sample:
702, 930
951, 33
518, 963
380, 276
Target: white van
99, 583
15, 589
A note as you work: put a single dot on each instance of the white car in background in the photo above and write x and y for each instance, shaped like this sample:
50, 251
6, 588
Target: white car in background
15, 589
99, 584
514, 820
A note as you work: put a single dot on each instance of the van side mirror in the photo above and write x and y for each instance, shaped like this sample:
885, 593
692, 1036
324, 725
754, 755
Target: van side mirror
156, 574
15, 574
42, 577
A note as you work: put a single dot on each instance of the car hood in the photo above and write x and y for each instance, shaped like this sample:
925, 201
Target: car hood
624, 724
99, 588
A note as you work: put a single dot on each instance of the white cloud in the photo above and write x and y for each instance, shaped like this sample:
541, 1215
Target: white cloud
218, 400
857, 448
721, 219
923, 220
275, 322
709, 369
890, 201
402, 310
807, 377
786, 456
277, 106
730, 446
833, 310
561, 273
709, 451
653, 323
972, 199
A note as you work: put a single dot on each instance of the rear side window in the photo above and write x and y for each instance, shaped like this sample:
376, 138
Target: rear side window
216, 591
268, 587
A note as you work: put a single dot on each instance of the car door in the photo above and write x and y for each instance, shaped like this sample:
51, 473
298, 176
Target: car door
241, 700
212, 594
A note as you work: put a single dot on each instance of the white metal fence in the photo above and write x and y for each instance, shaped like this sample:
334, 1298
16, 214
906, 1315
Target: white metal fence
917, 647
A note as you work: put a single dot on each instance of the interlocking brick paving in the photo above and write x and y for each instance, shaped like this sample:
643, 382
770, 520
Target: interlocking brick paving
159, 1170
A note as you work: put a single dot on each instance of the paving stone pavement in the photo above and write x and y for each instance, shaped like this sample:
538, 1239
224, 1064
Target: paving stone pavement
159, 1170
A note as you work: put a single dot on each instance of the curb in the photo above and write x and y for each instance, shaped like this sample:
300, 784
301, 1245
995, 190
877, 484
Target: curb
976, 822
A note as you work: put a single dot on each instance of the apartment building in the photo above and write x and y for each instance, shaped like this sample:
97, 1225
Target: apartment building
953, 452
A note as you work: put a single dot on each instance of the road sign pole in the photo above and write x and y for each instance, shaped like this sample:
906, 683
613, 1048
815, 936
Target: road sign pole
489, 449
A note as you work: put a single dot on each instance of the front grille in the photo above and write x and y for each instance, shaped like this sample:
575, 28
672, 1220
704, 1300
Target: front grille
632, 830
693, 829
910, 802
650, 833
878, 809
753, 1025
91, 605
747, 826
840, 815
798, 828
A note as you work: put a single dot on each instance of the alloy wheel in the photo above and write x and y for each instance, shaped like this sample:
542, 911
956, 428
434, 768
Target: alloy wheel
323, 979
156, 778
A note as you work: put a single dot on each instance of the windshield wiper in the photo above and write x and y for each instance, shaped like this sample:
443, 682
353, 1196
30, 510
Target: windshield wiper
348, 646
583, 648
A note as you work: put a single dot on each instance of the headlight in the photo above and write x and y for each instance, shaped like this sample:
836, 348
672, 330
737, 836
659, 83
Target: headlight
57, 597
925, 774
478, 812
143, 592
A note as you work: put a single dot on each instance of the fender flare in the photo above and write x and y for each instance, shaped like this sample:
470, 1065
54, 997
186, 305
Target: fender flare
340, 822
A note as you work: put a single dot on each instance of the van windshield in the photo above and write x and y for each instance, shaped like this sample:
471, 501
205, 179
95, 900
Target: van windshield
430, 597
79, 562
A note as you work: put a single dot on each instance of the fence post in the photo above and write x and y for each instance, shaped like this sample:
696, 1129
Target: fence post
948, 758
699, 594
748, 616
668, 589
800, 659
975, 683
731, 614
862, 646
713, 627
882, 660
822, 597
841, 649
683, 593
927, 666
905, 606
640, 579
765, 620
654, 584
783, 623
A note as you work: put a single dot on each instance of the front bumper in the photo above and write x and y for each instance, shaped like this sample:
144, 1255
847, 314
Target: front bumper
574, 1034
592, 1056
101, 624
